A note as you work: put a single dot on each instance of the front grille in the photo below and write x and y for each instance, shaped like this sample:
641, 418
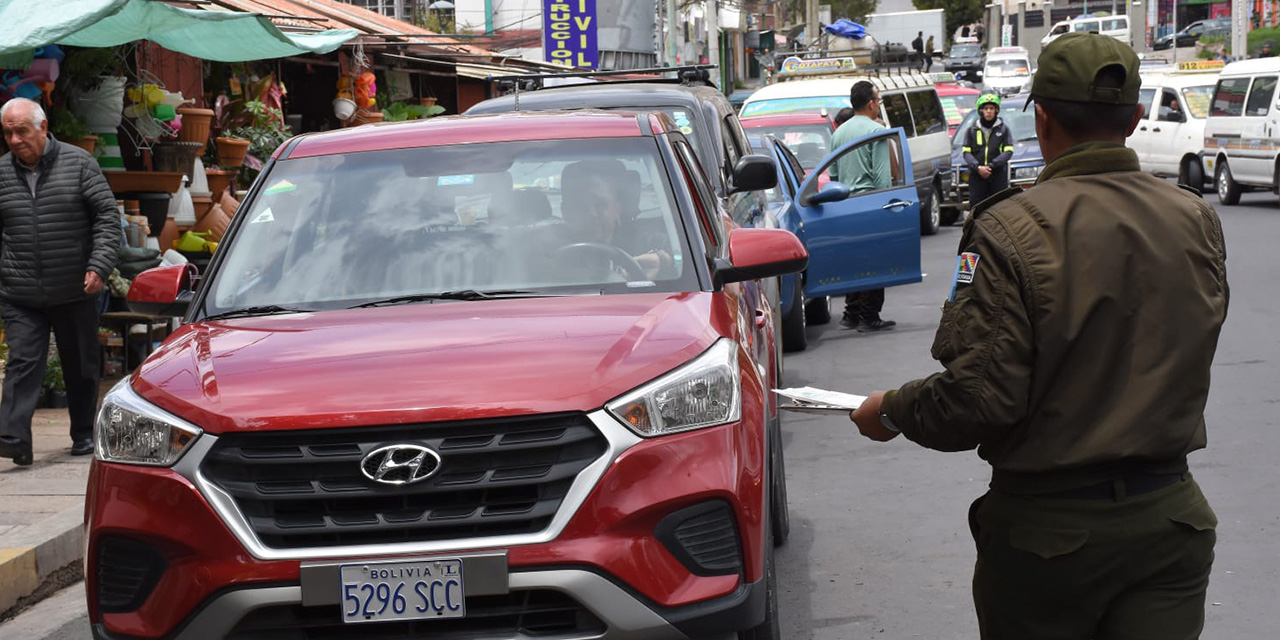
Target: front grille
128, 571
305, 489
704, 538
520, 614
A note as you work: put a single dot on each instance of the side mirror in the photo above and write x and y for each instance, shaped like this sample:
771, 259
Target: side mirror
163, 291
831, 192
754, 173
756, 254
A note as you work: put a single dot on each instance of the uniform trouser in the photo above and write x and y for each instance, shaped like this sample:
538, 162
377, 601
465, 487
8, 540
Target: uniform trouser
980, 189
1074, 569
864, 305
75, 325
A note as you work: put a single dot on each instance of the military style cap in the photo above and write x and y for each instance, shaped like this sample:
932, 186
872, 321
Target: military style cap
1069, 66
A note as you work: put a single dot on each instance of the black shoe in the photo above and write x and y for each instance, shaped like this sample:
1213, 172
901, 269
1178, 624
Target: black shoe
23, 459
848, 323
82, 447
10, 446
876, 324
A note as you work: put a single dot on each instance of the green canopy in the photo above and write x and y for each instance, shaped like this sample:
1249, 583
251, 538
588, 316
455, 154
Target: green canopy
223, 36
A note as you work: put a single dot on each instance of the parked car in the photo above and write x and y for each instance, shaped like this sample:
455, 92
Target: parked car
1170, 137
738, 97
807, 135
908, 100
855, 242
1007, 71
1242, 133
958, 99
1115, 26
1189, 35
965, 60
1024, 167
418, 394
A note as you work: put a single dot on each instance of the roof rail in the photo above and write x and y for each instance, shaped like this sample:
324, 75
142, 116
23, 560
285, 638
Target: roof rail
686, 74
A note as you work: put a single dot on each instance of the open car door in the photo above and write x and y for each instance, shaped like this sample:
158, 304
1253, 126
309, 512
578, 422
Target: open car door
861, 240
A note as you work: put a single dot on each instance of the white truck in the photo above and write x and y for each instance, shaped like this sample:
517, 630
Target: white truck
903, 26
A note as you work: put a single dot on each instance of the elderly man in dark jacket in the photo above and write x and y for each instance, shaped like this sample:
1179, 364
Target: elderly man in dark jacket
59, 233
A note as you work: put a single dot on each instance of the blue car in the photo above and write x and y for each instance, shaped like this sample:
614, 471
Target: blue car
1024, 167
856, 242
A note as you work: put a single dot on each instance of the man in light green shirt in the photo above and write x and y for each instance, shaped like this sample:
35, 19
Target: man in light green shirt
867, 168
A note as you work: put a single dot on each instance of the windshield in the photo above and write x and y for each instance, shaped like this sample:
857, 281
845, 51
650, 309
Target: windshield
957, 107
966, 51
809, 142
562, 216
1021, 124
1007, 68
813, 104
1197, 100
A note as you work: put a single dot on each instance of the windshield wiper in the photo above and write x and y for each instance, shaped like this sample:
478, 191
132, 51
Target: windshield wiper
260, 310
460, 294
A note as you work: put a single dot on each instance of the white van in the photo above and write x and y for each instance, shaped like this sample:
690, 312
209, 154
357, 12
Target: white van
1007, 71
1242, 134
907, 99
1115, 26
1170, 136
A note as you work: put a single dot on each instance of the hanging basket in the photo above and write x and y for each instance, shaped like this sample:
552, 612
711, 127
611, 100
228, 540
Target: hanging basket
231, 151
102, 108
195, 125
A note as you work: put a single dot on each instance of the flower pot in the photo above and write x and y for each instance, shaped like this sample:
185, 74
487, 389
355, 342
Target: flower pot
219, 180
134, 181
427, 101
87, 143
178, 157
364, 117
55, 399
102, 108
231, 151
195, 125
343, 108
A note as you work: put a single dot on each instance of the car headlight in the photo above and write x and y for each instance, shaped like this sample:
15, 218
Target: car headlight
1024, 173
130, 430
705, 392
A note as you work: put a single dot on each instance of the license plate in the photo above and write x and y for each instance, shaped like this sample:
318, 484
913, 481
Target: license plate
406, 590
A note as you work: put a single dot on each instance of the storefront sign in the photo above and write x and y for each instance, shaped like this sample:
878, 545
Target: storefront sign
794, 66
569, 33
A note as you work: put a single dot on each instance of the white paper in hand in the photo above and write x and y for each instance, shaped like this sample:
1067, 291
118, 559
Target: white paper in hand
811, 400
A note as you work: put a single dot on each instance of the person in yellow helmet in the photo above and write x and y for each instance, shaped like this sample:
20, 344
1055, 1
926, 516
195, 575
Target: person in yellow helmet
988, 145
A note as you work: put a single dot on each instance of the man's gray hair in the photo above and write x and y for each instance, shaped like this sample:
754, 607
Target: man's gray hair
35, 116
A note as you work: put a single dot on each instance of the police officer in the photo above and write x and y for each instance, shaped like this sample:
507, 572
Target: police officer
1076, 347
987, 149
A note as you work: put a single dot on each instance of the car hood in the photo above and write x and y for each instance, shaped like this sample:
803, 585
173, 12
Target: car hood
968, 60
423, 362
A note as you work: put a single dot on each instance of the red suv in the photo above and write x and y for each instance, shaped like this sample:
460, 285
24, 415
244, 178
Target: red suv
477, 377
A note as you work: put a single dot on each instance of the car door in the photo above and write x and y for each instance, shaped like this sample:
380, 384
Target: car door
1142, 138
1256, 166
1169, 129
864, 240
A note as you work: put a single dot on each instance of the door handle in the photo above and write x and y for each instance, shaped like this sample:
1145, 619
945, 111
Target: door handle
762, 316
1142, 128
897, 204
1156, 130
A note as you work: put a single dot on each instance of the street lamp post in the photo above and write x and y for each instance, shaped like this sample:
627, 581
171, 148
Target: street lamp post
439, 7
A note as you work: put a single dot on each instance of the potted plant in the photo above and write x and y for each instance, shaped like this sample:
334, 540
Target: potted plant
55, 387
94, 80
250, 133
68, 127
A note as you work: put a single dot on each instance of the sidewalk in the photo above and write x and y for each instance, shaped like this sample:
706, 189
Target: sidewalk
42, 513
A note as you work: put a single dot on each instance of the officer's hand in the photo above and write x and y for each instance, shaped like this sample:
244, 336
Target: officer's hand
867, 417
984, 171
92, 282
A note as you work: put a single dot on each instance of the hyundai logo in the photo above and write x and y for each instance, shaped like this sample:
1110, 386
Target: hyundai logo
400, 464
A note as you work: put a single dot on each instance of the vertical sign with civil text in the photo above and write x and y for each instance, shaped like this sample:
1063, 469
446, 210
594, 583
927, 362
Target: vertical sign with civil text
569, 33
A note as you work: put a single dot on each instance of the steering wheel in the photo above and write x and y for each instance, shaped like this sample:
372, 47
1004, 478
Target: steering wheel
632, 269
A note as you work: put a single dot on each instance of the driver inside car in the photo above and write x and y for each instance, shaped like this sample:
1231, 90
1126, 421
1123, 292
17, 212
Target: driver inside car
600, 203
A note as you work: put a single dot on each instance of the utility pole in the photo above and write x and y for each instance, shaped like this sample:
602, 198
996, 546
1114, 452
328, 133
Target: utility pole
674, 27
811, 20
713, 35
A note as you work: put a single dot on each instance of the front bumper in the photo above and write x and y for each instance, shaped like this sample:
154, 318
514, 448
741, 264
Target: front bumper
606, 559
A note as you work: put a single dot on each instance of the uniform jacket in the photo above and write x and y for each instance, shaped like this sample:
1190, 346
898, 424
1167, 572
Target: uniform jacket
49, 241
1084, 319
993, 151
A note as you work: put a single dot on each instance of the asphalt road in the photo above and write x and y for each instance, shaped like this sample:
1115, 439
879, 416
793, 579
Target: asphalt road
879, 545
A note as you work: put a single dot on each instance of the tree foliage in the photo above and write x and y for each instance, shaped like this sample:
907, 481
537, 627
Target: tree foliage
959, 12
855, 10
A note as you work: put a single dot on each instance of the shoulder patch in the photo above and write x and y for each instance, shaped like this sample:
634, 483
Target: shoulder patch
966, 267
1187, 187
994, 199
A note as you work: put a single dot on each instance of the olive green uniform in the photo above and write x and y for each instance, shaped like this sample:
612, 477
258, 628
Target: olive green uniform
1076, 347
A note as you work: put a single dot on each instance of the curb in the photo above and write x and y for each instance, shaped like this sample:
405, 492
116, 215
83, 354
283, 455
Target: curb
30, 556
